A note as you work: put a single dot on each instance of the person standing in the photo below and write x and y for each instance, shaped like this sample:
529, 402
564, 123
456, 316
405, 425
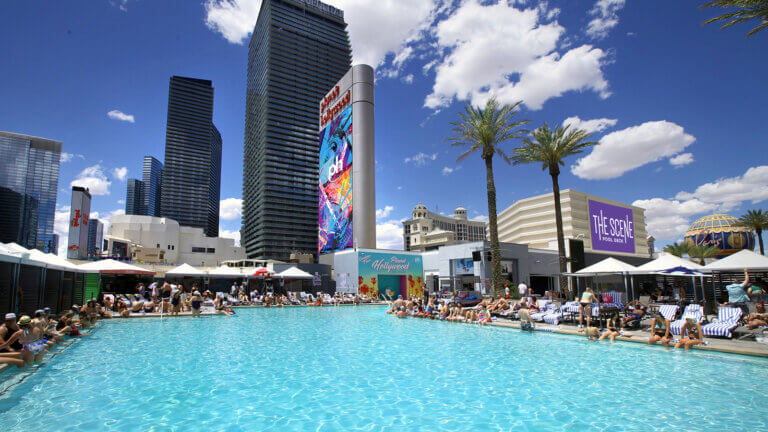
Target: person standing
233, 289
522, 288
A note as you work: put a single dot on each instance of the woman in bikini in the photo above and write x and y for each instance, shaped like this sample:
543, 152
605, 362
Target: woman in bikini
614, 328
660, 331
690, 335
33, 347
585, 306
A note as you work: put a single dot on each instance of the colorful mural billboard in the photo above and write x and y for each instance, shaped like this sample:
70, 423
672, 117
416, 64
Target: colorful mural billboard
387, 275
612, 227
335, 203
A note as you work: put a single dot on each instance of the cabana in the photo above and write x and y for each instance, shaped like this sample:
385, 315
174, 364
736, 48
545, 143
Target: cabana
293, 278
222, 278
609, 267
731, 269
185, 275
112, 276
668, 265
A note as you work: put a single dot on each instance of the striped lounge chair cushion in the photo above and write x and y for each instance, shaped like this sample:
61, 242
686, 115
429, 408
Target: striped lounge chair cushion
727, 320
691, 311
668, 311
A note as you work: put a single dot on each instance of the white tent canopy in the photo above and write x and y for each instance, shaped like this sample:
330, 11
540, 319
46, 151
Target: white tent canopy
294, 273
665, 262
185, 270
225, 271
744, 259
113, 267
8, 254
607, 266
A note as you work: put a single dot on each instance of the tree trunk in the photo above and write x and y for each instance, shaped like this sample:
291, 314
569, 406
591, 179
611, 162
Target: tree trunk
496, 277
560, 235
759, 233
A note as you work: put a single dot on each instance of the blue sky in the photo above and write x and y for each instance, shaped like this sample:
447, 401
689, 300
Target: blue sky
678, 107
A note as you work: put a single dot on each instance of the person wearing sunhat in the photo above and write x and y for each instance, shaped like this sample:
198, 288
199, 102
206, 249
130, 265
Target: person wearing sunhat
33, 346
10, 354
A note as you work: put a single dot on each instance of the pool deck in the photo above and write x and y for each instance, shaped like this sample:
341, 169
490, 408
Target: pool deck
729, 346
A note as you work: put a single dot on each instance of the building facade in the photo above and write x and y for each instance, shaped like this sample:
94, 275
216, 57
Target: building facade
95, 237
134, 197
298, 51
152, 178
192, 174
162, 240
79, 212
604, 226
427, 230
29, 180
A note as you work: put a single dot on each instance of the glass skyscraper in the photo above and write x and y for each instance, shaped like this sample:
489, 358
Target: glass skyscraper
152, 178
29, 178
95, 236
192, 175
299, 49
134, 198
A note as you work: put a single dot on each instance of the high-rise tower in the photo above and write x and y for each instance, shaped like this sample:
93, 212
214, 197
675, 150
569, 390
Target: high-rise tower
152, 177
192, 175
298, 51
29, 180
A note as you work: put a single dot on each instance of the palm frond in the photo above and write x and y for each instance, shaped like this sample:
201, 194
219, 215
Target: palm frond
746, 10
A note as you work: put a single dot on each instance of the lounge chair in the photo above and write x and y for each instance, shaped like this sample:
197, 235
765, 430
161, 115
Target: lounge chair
669, 311
555, 316
691, 311
727, 320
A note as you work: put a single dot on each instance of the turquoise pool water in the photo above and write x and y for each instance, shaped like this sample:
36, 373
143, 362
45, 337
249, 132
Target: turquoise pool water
359, 369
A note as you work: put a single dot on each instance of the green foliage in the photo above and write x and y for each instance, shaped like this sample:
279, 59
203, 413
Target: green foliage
746, 10
676, 249
484, 129
756, 220
701, 252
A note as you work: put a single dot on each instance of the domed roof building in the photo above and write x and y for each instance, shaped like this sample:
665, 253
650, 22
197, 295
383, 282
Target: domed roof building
721, 231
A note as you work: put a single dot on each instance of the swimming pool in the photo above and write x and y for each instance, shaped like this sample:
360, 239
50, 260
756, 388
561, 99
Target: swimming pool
358, 369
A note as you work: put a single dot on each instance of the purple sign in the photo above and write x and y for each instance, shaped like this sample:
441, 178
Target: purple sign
612, 228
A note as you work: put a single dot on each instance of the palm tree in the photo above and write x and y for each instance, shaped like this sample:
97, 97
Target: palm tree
550, 147
746, 10
755, 220
677, 249
484, 130
701, 251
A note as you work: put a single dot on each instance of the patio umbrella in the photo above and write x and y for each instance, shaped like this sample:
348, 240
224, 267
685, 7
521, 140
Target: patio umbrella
262, 272
684, 271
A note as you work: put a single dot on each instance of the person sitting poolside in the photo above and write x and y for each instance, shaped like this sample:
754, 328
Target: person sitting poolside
690, 335
195, 303
7, 329
635, 313
614, 328
660, 331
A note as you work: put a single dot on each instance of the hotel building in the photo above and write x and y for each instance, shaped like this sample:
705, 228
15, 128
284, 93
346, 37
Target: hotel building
428, 231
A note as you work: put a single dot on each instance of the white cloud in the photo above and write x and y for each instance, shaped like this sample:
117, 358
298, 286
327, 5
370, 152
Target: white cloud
119, 115
93, 179
667, 219
605, 15
399, 188
231, 208
594, 125
420, 158
480, 218
510, 53
61, 227
230, 234
729, 193
120, 173
384, 213
448, 170
648, 142
66, 157
681, 160
121, 4
389, 235
376, 28
408, 79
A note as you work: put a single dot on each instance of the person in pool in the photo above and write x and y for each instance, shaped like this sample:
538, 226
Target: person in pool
585, 306
33, 346
690, 335
195, 302
660, 331
7, 330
